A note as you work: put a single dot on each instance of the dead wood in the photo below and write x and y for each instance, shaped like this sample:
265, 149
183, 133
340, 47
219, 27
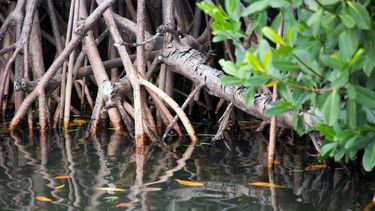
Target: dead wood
189, 63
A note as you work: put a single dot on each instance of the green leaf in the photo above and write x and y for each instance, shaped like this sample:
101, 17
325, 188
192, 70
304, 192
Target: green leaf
370, 51
208, 8
360, 15
254, 61
286, 93
351, 113
291, 36
227, 80
220, 37
360, 143
229, 67
327, 148
260, 20
331, 108
329, 2
351, 91
315, 18
370, 114
283, 51
263, 48
304, 60
364, 96
277, 108
273, 36
347, 44
267, 58
345, 135
339, 154
340, 79
233, 9
298, 123
328, 132
350, 142
255, 81
330, 62
328, 20
285, 65
278, 4
348, 21
357, 55
249, 95
368, 160
302, 98
255, 7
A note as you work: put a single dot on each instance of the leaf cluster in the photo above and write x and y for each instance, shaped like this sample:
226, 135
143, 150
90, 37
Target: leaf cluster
320, 54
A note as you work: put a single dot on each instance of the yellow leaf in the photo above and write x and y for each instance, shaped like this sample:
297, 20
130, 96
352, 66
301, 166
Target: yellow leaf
189, 183
112, 189
316, 167
59, 187
43, 198
121, 205
63, 177
272, 83
265, 184
78, 122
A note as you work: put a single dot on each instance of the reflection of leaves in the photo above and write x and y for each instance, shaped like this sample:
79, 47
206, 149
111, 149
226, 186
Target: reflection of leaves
265, 184
189, 183
63, 177
316, 167
59, 187
121, 205
112, 189
43, 198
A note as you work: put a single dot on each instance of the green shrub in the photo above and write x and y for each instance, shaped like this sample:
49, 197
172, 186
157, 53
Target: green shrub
321, 55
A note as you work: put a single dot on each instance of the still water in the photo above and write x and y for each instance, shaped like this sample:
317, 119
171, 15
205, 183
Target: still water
75, 171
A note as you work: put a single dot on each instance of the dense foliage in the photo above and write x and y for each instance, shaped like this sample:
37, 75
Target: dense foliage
321, 56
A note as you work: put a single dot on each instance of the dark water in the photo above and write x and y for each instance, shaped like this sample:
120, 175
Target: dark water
29, 165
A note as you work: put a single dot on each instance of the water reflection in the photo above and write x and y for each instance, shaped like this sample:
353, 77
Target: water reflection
29, 166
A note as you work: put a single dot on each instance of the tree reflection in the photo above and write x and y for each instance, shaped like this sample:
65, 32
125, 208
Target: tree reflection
28, 166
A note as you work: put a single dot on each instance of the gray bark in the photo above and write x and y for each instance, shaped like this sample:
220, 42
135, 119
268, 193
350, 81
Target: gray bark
189, 63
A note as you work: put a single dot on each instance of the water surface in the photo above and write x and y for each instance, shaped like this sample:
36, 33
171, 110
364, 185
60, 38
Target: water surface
29, 166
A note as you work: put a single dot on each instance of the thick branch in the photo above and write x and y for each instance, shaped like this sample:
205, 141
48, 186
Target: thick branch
189, 62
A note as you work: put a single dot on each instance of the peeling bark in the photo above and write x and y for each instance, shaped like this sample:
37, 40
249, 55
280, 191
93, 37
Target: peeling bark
189, 63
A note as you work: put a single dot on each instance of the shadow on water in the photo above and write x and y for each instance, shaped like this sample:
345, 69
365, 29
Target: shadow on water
102, 172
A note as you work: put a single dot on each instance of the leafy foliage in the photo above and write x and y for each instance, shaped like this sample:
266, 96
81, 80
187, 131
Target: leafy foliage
320, 53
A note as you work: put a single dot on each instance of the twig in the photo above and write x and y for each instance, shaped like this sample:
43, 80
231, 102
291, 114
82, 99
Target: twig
223, 123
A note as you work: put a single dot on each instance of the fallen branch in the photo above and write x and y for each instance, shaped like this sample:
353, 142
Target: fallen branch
190, 63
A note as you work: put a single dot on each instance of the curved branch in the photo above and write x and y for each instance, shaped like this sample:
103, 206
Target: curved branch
184, 119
